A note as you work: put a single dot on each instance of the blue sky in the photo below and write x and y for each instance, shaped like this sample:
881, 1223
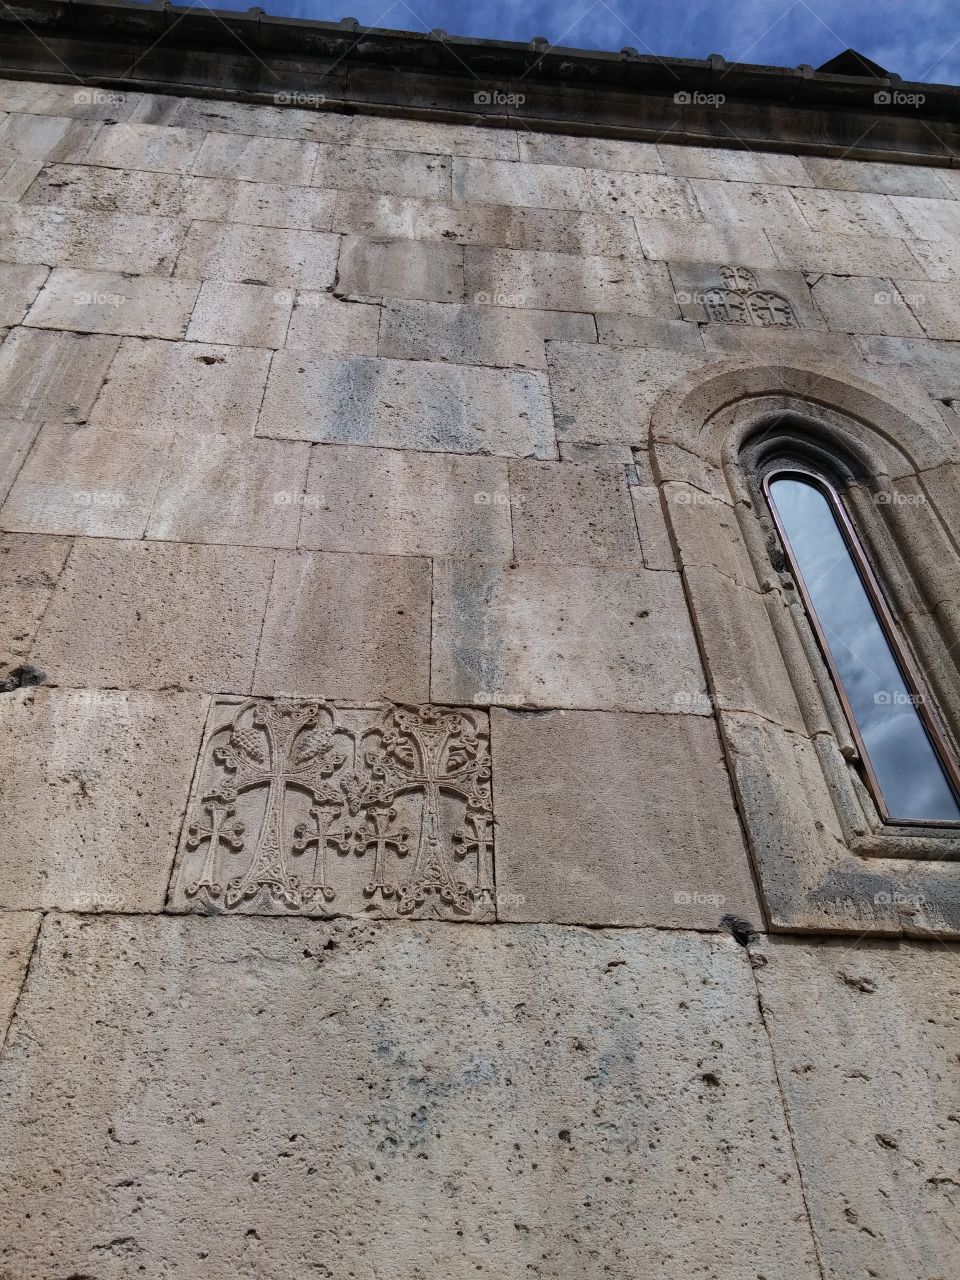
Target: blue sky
919, 39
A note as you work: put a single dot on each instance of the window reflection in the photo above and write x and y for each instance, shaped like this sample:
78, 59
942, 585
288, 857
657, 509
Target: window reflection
902, 757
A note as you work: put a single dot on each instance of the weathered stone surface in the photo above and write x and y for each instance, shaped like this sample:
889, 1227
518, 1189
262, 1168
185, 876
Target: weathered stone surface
259, 255
563, 513
615, 330
403, 503
145, 146
155, 615
18, 933
217, 489
499, 336
775, 345
86, 480
174, 1017
439, 139
707, 533
935, 365
66, 100
250, 159
736, 295
242, 315
93, 795
929, 218
939, 260
34, 137
547, 186
564, 282
854, 1027
847, 213
498, 226
401, 269
166, 386
320, 322
52, 375
936, 306
90, 239
844, 255
29, 569
399, 173
605, 395
16, 437
867, 304
672, 241
583, 838
353, 626
281, 121
19, 285
869, 175
733, 166
532, 637
590, 153
407, 404
652, 527
16, 175
315, 809
768, 207
98, 302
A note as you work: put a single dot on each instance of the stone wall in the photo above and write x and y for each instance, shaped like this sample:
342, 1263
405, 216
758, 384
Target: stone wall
403, 756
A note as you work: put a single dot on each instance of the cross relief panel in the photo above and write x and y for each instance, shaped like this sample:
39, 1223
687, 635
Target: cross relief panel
307, 808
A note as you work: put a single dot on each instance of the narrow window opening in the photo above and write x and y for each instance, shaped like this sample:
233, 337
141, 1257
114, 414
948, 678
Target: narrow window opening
908, 764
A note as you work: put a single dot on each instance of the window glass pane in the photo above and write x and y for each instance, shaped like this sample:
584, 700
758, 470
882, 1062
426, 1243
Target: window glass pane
906, 764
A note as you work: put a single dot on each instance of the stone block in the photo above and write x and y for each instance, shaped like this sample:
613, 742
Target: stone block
755, 299
250, 159
707, 533
90, 240
189, 386
652, 527
590, 153
353, 626
19, 285
99, 302
854, 1025
50, 138
29, 569
398, 173
325, 324
867, 304
935, 365
564, 282
356, 826
929, 218
672, 241
16, 437
535, 186
401, 269
849, 213
18, 933
68, 99
155, 615
870, 175
145, 146
393, 134
80, 479
776, 345
93, 793
587, 833
407, 404
547, 1060
936, 305
218, 489
16, 176
939, 260
725, 165
644, 195
47, 375
845, 255
616, 330
564, 513
259, 255
258, 118
596, 453
498, 226
498, 336
561, 636
241, 315
605, 395
405, 503
747, 204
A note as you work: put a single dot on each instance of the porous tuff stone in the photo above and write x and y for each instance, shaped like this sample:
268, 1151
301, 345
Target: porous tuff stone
323, 323
432, 272
561, 636
242, 315
100, 302
259, 255
316, 809
93, 793
352, 626
530, 1085
399, 502
19, 285
564, 513
154, 615
47, 375
90, 240
589, 830
866, 1037
407, 404
29, 568
18, 933
566, 282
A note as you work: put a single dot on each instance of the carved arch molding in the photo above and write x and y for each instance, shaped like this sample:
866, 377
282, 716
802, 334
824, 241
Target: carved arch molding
824, 859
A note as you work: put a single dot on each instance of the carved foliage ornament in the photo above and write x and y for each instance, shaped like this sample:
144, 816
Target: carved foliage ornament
742, 302
302, 807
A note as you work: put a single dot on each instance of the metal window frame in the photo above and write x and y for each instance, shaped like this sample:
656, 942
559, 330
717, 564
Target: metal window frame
902, 657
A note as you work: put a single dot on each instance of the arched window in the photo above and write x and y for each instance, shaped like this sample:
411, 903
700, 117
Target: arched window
908, 765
